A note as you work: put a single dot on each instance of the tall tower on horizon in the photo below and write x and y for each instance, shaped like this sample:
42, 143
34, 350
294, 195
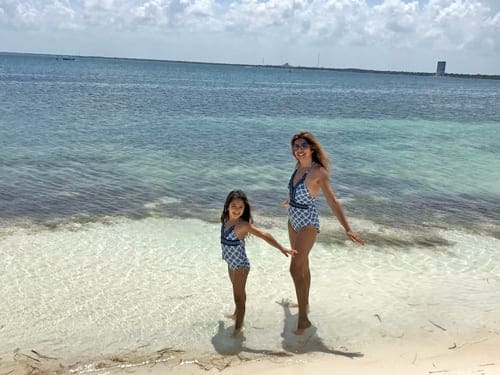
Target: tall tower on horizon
441, 67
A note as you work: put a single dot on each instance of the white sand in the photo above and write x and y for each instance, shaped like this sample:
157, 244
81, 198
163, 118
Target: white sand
398, 357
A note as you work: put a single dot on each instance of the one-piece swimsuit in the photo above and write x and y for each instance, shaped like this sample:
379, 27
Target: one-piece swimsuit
302, 211
233, 249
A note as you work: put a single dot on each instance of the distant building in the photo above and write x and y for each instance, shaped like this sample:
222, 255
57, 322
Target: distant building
441, 68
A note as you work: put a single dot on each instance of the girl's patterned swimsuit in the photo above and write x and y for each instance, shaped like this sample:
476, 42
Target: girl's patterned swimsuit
302, 211
233, 249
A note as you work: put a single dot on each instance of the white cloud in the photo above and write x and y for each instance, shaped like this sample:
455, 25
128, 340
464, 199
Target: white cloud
99, 5
457, 25
460, 26
36, 15
260, 17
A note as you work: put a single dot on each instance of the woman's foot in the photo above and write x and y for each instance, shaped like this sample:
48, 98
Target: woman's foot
302, 326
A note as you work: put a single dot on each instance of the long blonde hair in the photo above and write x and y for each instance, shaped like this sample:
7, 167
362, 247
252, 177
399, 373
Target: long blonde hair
319, 154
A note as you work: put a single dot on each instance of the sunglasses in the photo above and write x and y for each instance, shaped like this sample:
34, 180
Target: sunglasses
303, 146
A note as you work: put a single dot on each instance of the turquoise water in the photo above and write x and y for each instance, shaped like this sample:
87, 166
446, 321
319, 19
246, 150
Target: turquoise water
94, 137
113, 174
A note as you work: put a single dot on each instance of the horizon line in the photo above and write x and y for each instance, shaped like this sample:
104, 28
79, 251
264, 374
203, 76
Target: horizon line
282, 66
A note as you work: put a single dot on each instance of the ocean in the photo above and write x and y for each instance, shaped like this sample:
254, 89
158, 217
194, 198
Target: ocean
113, 174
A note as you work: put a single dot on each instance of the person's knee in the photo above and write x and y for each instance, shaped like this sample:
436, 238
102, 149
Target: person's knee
298, 270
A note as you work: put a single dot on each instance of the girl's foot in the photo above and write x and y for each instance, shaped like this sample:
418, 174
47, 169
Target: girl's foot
291, 304
237, 332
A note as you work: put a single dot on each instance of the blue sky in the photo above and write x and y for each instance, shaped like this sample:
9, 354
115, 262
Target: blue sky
369, 34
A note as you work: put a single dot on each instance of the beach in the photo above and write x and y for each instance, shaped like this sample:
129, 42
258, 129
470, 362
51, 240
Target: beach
480, 357
477, 357
437, 350
113, 175
438, 346
372, 310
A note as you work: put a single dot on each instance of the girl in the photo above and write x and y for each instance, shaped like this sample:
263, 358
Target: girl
237, 224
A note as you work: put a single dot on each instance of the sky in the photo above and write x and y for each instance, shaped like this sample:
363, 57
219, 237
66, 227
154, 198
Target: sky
397, 35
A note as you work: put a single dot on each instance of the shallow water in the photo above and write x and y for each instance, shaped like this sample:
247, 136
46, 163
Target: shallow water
98, 290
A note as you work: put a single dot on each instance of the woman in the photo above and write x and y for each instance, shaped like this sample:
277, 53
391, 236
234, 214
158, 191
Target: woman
311, 175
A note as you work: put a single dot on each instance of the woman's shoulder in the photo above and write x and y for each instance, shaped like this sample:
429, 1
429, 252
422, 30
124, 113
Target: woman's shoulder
317, 170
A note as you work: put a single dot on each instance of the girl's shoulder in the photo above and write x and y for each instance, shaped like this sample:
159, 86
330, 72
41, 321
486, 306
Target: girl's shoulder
242, 225
242, 228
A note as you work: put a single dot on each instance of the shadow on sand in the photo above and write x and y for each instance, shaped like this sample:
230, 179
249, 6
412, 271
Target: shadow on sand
309, 341
225, 344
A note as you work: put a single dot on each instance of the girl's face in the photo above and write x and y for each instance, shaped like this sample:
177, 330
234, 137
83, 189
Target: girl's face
301, 149
236, 209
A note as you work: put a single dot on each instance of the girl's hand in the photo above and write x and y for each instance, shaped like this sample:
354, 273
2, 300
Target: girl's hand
287, 252
285, 203
354, 238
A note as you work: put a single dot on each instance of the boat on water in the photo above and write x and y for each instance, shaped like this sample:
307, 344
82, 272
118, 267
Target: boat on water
66, 58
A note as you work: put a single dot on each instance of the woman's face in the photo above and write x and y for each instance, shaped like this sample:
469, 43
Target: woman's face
236, 209
301, 149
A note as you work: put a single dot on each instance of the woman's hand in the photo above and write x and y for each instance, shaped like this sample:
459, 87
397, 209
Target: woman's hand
354, 238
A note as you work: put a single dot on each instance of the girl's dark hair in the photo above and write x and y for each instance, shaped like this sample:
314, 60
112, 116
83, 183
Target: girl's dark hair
319, 154
237, 194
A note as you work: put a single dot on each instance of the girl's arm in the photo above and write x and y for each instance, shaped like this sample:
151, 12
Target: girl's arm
266, 236
326, 187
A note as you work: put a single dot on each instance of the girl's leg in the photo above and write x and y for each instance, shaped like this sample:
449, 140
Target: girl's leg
303, 242
230, 273
239, 280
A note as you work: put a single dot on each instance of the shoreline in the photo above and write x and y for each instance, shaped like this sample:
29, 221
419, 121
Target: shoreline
478, 355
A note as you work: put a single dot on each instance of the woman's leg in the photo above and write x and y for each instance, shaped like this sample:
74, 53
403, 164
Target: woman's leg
239, 279
302, 241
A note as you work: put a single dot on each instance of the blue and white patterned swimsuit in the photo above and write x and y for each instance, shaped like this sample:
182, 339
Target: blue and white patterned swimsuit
302, 211
233, 249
